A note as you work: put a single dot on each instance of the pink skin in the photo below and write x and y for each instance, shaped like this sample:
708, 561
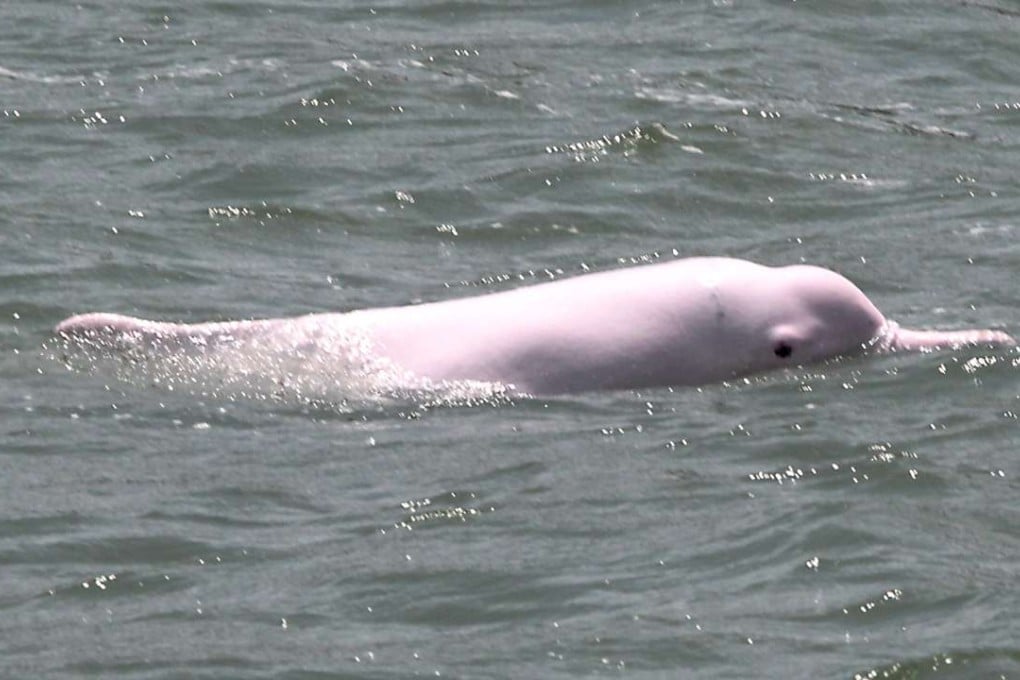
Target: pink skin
921, 341
684, 322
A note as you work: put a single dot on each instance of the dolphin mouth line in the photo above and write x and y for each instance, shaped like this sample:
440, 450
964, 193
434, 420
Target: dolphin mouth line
885, 339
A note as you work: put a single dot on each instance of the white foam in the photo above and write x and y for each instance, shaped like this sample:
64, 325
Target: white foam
328, 365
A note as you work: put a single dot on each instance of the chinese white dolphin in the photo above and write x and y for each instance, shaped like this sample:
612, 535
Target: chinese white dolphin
683, 322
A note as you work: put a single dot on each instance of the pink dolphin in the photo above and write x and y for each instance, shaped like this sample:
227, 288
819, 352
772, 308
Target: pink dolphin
684, 322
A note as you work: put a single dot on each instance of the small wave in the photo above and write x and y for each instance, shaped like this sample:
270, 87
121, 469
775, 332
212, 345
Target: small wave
891, 117
37, 78
978, 661
696, 99
589, 150
447, 508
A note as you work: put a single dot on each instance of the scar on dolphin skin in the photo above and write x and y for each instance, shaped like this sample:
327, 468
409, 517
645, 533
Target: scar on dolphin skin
685, 322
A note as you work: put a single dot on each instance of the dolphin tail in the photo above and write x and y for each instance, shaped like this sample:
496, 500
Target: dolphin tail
97, 324
119, 331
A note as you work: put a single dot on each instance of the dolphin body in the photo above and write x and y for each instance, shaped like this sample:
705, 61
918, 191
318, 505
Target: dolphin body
685, 322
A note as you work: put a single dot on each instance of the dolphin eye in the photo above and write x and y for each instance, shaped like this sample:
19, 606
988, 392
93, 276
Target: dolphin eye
783, 350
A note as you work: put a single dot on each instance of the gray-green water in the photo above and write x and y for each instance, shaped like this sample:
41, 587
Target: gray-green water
216, 160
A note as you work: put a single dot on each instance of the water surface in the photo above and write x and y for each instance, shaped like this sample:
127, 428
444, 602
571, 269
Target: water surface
233, 160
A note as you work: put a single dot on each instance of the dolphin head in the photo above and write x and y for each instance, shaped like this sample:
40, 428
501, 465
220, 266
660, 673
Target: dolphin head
822, 315
828, 316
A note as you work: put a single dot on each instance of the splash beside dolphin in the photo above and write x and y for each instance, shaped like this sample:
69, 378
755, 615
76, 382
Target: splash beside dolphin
685, 322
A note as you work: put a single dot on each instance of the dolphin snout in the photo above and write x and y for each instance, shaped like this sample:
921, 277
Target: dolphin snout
929, 340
